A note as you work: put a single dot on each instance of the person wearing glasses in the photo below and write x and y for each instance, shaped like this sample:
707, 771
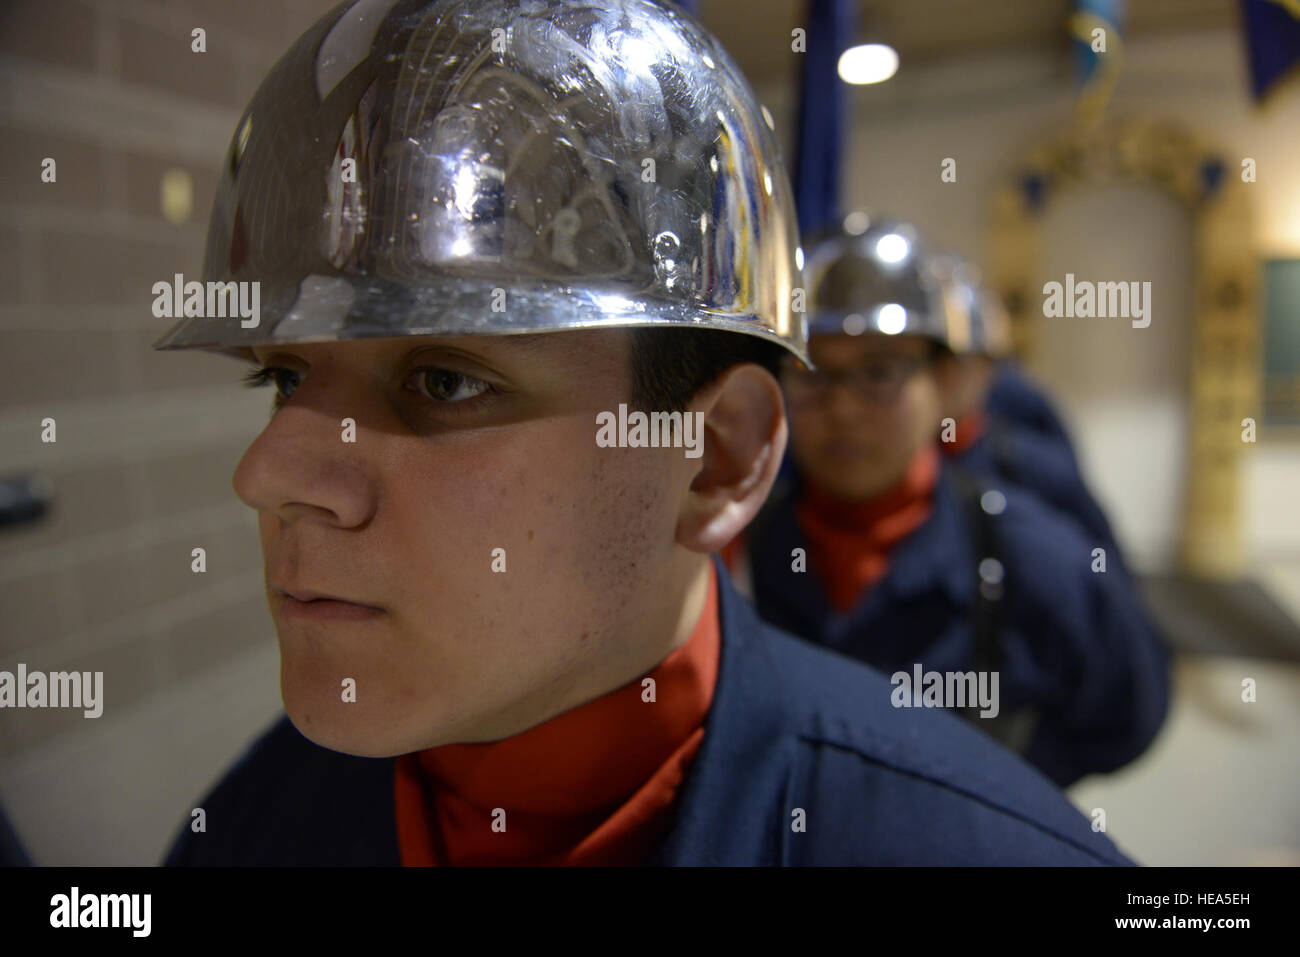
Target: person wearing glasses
877, 547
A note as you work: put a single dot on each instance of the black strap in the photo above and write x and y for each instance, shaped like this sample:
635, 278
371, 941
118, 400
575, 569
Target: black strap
1004, 460
986, 616
1014, 730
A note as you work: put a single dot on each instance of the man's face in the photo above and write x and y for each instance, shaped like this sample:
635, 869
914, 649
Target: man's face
856, 437
463, 447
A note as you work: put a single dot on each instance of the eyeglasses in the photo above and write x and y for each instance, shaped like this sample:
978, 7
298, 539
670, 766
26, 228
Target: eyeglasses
878, 380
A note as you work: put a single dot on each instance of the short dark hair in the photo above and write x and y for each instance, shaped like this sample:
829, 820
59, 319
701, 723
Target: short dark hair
939, 350
669, 365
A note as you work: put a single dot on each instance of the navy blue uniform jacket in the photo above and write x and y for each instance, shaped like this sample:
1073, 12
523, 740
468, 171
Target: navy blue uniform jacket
791, 727
1080, 653
1015, 399
1027, 444
1046, 469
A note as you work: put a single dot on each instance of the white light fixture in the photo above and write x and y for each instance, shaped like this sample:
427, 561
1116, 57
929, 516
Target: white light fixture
856, 223
868, 63
891, 319
892, 248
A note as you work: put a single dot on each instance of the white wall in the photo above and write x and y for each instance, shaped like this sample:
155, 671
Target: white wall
1123, 389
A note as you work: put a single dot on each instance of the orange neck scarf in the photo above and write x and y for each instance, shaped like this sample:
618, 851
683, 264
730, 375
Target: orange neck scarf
969, 428
592, 786
849, 542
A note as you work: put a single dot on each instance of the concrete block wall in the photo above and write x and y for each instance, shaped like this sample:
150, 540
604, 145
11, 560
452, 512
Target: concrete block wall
146, 441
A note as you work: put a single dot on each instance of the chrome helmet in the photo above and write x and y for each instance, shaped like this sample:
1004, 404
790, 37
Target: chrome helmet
502, 166
874, 275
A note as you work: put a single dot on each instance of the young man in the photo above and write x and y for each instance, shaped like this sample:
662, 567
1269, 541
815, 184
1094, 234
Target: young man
503, 637
882, 551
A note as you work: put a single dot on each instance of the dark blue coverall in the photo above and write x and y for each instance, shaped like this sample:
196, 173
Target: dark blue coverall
12, 853
1046, 469
791, 727
1026, 443
1083, 677
1013, 398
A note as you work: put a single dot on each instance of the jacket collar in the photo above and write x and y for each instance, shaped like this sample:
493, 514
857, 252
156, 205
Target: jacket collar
723, 815
935, 557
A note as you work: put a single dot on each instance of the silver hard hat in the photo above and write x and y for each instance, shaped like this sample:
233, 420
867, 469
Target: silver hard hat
870, 274
977, 323
991, 326
517, 166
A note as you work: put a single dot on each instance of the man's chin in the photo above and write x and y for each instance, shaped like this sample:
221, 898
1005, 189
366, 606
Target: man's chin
852, 486
346, 726
347, 737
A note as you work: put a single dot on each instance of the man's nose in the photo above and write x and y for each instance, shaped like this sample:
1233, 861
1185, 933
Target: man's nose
301, 465
843, 403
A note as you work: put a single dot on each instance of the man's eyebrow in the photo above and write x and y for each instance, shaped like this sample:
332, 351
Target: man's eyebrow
513, 346
271, 358
529, 342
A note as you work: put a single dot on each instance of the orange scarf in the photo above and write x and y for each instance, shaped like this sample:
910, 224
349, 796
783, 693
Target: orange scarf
849, 542
967, 432
592, 786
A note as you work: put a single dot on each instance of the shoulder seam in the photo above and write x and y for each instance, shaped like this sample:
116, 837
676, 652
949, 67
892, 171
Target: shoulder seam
857, 752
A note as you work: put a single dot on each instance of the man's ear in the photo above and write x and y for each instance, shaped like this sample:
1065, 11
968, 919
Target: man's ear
744, 439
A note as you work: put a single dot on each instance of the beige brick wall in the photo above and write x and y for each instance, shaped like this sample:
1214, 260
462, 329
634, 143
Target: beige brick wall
147, 441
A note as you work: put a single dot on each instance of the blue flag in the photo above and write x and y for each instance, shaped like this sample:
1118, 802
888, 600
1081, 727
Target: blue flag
1272, 40
1107, 15
820, 131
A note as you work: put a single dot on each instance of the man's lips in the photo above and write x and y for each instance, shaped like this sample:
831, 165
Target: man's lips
318, 606
306, 595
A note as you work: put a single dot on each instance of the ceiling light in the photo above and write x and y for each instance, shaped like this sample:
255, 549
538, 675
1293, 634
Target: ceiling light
868, 63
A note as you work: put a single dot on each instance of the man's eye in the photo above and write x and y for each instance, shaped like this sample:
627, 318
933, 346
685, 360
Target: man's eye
256, 378
445, 385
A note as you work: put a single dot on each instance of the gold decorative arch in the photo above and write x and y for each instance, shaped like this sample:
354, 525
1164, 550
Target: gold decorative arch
1225, 375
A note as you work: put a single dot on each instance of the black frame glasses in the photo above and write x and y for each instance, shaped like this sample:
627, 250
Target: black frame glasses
879, 380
